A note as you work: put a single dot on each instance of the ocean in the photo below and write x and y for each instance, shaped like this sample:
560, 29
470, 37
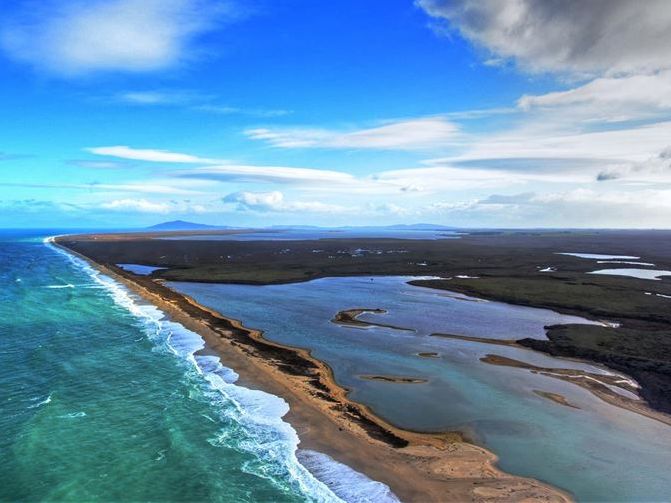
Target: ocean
103, 399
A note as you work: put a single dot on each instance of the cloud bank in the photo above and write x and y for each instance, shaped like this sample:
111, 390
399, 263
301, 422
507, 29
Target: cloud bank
570, 35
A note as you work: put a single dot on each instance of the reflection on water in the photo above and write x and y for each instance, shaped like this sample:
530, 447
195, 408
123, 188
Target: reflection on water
141, 270
634, 273
576, 449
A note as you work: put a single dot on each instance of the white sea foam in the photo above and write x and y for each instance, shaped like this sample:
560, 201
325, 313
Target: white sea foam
346, 483
270, 437
73, 415
41, 402
69, 285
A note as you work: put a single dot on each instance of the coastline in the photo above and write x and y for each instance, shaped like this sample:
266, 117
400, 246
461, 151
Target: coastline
416, 466
599, 385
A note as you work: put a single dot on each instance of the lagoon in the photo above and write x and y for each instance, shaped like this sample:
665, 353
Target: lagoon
576, 449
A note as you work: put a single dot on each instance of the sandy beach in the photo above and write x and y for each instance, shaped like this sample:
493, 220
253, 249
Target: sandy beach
416, 466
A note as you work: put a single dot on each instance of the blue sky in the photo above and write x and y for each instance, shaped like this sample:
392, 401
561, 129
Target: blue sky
517, 114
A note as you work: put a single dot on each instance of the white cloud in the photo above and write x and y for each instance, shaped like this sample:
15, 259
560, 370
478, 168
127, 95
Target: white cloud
608, 99
573, 157
274, 174
263, 201
159, 97
410, 134
251, 112
97, 164
195, 101
274, 202
586, 132
81, 36
655, 169
571, 35
149, 155
442, 178
171, 187
576, 208
136, 205
141, 205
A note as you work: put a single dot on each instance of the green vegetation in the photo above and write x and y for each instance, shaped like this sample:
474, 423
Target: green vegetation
507, 265
644, 355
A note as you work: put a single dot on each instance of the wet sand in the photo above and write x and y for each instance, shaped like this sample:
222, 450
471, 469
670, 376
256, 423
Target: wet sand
555, 397
416, 466
350, 318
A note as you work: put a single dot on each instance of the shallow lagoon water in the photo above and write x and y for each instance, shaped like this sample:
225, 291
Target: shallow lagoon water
653, 274
598, 452
140, 270
600, 256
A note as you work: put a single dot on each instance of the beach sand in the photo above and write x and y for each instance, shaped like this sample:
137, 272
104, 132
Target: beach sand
418, 467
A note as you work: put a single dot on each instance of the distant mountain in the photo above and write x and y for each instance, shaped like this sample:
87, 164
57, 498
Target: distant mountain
181, 225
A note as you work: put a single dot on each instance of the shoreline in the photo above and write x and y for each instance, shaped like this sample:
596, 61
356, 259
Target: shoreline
416, 466
597, 384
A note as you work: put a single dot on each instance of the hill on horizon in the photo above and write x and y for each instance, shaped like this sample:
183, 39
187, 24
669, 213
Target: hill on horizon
183, 225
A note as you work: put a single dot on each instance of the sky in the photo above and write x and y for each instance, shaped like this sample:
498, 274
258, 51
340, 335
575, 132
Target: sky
511, 113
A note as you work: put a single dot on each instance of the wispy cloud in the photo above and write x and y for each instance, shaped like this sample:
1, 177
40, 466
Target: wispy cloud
251, 112
149, 155
5, 156
608, 99
161, 97
612, 209
195, 101
82, 36
531, 150
97, 164
137, 187
272, 174
411, 134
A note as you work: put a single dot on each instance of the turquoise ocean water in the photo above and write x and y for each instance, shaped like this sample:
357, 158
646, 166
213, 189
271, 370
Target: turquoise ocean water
102, 399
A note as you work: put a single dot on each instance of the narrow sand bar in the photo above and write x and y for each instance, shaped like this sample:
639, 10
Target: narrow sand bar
416, 466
